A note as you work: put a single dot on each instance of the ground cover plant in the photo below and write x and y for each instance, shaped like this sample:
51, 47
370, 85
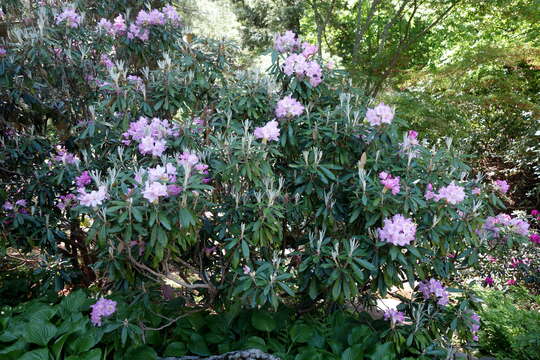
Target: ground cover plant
203, 208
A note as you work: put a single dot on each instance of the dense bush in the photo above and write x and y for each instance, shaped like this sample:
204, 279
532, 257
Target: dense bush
166, 164
510, 324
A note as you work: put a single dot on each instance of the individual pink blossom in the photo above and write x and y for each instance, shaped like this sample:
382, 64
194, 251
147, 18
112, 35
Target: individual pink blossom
106, 60
21, 202
171, 14
70, 16
246, 269
93, 198
535, 212
286, 42
398, 230
491, 259
149, 145
535, 238
174, 190
66, 201
502, 186
157, 173
389, 182
202, 168
102, 308
308, 49
206, 180
434, 288
511, 282
380, 114
476, 191
314, 73
268, 132
153, 191
3, 51
119, 26
105, 25
65, 157
136, 81
395, 317
489, 281
188, 159
83, 179
453, 194
7, 206
289, 107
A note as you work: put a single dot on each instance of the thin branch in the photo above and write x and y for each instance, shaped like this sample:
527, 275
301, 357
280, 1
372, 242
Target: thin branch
172, 321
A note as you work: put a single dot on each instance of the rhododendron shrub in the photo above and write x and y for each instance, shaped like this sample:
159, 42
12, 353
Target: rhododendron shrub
172, 166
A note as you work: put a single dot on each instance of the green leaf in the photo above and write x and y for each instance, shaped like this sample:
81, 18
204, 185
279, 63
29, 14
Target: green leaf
301, 333
94, 354
263, 321
255, 342
40, 333
39, 354
140, 352
197, 345
175, 349
365, 264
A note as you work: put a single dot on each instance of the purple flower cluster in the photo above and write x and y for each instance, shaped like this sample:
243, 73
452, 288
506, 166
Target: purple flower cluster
65, 157
395, 317
474, 324
453, 194
93, 198
19, 206
502, 186
136, 81
297, 61
3, 51
268, 132
380, 114
389, 182
116, 28
495, 224
102, 308
83, 179
535, 238
399, 230
140, 29
289, 107
65, 201
434, 288
150, 134
70, 16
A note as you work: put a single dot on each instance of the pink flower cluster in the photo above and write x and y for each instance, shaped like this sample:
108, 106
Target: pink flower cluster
434, 288
289, 107
83, 179
93, 198
19, 206
65, 201
535, 238
150, 134
118, 27
140, 29
380, 114
495, 224
65, 157
136, 81
389, 182
70, 16
102, 308
395, 317
399, 230
297, 61
268, 132
502, 186
453, 194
